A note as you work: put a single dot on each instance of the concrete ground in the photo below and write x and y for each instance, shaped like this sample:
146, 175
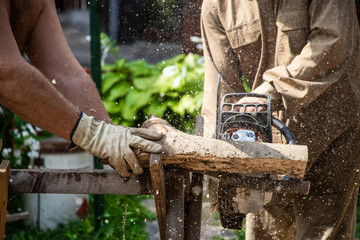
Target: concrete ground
76, 29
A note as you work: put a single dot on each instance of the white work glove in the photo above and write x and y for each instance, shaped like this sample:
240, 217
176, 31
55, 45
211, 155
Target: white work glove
114, 142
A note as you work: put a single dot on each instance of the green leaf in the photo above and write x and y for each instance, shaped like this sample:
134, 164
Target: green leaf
120, 63
166, 83
109, 79
156, 108
173, 95
114, 107
108, 67
129, 113
119, 91
133, 102
137, 98
187, 103
139, 68
145, 83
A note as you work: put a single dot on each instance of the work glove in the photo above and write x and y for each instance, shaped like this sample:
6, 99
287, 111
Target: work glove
115, 143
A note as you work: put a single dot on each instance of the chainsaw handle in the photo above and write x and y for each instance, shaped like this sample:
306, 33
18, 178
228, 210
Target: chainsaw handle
290, 139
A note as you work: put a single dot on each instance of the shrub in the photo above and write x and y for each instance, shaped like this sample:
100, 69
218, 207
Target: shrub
171, 89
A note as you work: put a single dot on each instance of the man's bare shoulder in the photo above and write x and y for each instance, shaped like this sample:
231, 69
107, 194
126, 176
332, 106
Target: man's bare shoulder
22, 16
4, 10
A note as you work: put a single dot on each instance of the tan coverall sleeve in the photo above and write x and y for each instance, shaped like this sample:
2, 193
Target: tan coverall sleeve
322, 61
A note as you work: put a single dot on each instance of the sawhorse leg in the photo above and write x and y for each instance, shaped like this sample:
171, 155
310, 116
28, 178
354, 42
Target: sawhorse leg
177, 183
194, 207
4, 185
178, 201
184, 202
158, 184
169, 194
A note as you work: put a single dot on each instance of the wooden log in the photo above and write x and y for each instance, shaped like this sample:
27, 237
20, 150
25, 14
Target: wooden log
203, 155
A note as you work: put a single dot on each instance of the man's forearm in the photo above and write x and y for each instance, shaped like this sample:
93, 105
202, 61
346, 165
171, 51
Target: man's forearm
80, 90
52, 56
27, 93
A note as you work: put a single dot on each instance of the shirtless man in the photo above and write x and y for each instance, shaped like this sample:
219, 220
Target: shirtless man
53, 91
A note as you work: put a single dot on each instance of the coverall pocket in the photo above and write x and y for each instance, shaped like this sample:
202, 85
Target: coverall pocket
245, 34
294, 29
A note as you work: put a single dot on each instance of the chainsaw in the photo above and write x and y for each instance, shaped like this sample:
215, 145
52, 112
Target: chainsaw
235, 123
245, 122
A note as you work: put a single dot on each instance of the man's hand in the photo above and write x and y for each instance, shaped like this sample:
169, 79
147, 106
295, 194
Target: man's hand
115, 143
251, 100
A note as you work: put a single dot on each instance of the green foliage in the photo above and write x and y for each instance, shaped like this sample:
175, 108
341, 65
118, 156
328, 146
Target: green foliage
171, 89
124, 218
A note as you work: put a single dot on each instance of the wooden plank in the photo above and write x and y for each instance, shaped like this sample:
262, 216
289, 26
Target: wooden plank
74, 181
158, 184
4, 184
176, 186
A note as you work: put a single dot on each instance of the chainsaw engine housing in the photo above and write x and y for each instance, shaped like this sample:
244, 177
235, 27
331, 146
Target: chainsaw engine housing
236, 123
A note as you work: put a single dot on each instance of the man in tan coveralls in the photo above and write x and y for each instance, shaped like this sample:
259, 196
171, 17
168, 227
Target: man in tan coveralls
305, 55
54, 92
